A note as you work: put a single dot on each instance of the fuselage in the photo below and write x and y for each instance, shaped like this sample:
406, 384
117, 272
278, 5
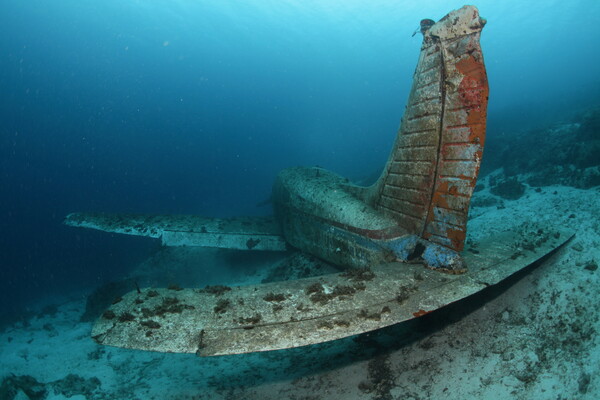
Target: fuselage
325, 215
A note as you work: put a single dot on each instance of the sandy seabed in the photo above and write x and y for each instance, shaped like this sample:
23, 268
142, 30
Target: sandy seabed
533, 337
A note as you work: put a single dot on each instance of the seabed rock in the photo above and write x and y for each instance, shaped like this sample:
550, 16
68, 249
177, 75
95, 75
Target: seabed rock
564, 153
72, 385
510, 189
25, 387
22, 387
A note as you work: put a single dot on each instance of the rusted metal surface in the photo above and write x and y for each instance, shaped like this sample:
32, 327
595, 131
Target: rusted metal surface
242, 233
231, 320
430, 176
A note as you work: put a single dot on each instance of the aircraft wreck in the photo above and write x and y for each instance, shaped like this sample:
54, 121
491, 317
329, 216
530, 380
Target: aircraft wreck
400, 240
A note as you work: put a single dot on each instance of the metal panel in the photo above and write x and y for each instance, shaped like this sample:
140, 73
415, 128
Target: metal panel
231, 320
225, 240
443, 129
242, 233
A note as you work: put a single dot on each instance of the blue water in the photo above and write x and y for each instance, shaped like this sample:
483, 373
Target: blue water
193, 107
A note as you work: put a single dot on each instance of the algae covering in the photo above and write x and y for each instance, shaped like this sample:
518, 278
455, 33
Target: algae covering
242, 233
230, 320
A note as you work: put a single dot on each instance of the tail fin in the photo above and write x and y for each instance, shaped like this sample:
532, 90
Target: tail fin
430, 176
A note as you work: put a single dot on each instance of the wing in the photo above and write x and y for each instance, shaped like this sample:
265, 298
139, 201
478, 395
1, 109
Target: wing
230, 320
243, 233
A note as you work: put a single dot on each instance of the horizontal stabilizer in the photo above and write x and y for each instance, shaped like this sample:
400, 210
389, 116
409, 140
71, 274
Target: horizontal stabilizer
223, 320
243, 233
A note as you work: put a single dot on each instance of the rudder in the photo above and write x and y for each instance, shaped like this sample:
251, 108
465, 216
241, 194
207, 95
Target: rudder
429, 178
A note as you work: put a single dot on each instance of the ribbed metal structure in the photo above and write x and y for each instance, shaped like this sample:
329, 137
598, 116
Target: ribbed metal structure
428, 181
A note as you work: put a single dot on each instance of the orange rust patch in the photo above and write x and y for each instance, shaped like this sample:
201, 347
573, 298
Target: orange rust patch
473, 92
442, 186
439, 200
472, 97
420, 313
457, 237
469, 66
466, 178
453, 190
476, 121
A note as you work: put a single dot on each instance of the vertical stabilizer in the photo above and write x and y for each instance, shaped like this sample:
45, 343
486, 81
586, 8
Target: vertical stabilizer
429, 178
